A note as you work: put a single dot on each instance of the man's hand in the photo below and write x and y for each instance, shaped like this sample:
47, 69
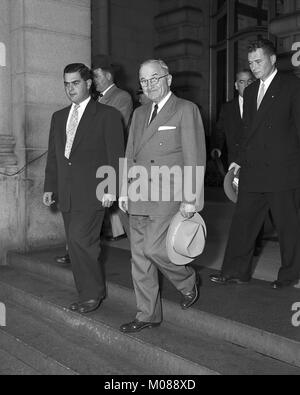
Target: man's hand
187, 210
234, 166
48, 199
216, 153
108, 200
123, 204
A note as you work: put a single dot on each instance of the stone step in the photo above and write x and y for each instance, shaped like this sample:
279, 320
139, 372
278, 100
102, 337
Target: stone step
177, 347
28, 360
261, 341
52, 348
49, 299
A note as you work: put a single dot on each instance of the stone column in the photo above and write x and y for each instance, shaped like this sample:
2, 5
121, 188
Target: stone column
183, 42
287, 29
7, 143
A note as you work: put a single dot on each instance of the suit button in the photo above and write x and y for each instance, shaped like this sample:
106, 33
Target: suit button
153, 161
160, 144
70, 164
134, 160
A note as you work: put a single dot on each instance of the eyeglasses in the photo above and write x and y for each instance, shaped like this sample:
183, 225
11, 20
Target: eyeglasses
153, 81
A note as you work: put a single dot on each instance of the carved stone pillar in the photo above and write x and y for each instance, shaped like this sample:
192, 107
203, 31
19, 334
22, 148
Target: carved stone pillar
183, 42
7, 143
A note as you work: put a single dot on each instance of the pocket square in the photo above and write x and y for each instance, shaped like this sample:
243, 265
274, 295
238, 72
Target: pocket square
163, 128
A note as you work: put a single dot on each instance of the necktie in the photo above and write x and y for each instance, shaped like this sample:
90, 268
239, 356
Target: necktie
261, 95
71, 130
100, 96
154, 113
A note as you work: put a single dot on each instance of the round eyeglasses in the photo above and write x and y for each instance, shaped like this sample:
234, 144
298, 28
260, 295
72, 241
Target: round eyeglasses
153, 81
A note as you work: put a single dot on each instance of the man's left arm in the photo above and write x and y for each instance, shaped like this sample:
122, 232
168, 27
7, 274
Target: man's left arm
194, 159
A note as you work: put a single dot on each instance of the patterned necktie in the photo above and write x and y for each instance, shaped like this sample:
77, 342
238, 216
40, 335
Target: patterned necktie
154, 113
261, 95
71, 130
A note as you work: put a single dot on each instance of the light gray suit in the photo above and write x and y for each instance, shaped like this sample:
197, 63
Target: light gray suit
175, 137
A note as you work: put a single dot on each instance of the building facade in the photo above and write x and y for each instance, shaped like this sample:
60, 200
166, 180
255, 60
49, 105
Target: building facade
203, 42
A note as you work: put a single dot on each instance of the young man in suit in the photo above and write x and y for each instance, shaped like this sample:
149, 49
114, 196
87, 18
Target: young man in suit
83, 137
229, 131
111, 95
269, 163
166, 132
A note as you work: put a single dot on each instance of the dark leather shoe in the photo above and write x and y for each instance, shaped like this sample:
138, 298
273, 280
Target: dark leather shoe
282, 284
89, 306
190, 298
137, 326
74, 306
222, 280
65, 259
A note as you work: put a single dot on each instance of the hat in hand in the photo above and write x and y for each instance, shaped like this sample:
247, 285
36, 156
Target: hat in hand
185, 239
231, 185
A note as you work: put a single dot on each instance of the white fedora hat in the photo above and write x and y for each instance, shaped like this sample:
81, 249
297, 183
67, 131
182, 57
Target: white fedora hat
185, 239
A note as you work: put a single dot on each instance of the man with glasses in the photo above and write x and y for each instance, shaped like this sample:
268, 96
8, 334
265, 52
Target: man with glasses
166, 132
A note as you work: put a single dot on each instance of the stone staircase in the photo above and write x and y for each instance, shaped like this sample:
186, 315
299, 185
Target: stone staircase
43, 337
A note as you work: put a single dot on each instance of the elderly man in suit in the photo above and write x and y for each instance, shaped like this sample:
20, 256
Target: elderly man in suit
111, 95
83, 137
167, 132
269, 163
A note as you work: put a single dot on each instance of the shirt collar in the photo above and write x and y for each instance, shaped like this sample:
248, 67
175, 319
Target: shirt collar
106, 90
83, 104
162, 102
269, 80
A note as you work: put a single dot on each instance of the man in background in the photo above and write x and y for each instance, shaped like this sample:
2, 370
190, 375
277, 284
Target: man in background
109, 94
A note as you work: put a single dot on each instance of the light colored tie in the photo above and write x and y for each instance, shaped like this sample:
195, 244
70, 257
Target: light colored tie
71, 130
261, 95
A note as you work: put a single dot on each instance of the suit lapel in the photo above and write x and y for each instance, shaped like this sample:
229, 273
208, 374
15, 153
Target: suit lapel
162, 117
106, 98
266, 104
84, 124
64, 122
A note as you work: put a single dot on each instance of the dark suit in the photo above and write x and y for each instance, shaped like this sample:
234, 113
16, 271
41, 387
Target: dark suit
98, 142
120, 100
269, 177
229, 129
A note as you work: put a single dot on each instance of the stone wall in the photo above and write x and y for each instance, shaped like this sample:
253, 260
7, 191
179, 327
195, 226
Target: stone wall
43, 36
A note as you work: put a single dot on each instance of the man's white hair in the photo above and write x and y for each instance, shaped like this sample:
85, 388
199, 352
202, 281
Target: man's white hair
160, 62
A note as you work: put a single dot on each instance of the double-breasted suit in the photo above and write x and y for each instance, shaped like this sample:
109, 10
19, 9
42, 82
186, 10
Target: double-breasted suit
174, 138
269, 177
98, 142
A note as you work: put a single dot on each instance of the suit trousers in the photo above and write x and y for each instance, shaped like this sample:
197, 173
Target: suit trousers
149, 255
83, 238
250, 213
